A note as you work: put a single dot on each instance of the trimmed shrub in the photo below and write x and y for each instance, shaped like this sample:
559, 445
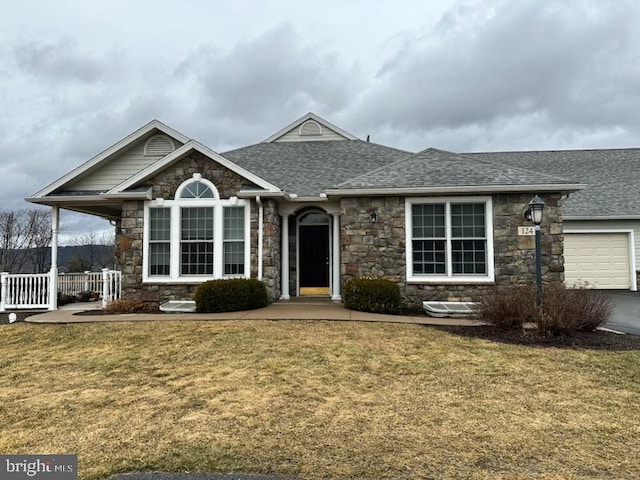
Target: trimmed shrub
563, 311
230, 295
372, 294
567, 310
508, 307
130, 305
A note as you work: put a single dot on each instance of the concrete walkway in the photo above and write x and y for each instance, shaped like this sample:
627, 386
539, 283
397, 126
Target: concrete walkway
283, 310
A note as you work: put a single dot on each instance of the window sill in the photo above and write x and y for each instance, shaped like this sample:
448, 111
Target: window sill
428, 280
185, 280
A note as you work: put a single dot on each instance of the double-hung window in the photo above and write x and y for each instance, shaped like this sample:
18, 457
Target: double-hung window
196, 236
234, 233
449, 239
159, 241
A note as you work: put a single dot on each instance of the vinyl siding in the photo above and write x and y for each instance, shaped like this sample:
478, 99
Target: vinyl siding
293, 135
118, 169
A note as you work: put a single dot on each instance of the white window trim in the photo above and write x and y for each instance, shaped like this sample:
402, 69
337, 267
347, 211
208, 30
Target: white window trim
489, 277
218, 243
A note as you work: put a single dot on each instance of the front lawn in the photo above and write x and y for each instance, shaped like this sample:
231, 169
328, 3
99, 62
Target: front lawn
316, 400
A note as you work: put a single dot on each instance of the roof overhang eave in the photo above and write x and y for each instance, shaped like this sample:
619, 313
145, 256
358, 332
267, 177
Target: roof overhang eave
459, 189
142, 195
61, 200
68, 199
89, 204
262, 193
600, 218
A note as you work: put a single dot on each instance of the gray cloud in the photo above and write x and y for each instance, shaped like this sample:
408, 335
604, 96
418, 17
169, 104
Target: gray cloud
563, 63
273, 76
61, 60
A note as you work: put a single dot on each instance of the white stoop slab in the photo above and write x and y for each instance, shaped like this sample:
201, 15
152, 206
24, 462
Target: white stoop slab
179, 306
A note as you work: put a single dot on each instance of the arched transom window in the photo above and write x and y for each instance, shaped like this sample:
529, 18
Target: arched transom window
197, 235
196, 190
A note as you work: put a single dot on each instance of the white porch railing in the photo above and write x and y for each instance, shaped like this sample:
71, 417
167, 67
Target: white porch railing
33, 290
74, 283
111, 286
24, 290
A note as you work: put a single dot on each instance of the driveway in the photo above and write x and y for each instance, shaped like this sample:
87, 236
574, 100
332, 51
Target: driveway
626, 315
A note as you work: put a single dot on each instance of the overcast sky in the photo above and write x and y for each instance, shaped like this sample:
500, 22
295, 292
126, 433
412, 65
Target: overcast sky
78, 75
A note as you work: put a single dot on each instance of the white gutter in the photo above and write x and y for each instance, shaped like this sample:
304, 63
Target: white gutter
601, 217
455, 189
262, 193
53, 199
260, 234
146, 195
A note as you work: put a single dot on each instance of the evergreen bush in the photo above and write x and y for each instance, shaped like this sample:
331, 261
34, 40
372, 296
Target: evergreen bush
372, 294
230, 295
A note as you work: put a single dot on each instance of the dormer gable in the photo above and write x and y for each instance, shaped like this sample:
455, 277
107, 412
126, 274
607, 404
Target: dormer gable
310, 128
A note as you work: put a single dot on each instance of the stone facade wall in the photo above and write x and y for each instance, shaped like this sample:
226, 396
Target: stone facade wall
379, 248
271, 262
130, 230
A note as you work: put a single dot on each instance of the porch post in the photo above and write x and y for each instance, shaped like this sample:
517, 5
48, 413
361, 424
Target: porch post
4, 278
106, 297
53, 273
284, 273
335, 286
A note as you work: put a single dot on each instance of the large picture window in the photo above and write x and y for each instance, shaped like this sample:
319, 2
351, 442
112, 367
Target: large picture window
196, 241
196, 236
449, 239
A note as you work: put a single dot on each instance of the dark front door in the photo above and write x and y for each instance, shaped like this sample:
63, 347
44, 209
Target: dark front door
314, 258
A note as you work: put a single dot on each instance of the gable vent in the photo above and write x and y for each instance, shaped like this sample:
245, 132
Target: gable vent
159, 145
310, 128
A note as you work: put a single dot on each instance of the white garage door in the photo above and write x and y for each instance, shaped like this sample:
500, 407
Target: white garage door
600, 259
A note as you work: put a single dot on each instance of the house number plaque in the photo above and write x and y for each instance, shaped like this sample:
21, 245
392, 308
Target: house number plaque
526, 231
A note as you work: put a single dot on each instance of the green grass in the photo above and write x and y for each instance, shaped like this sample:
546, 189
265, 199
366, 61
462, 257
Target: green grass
316, 400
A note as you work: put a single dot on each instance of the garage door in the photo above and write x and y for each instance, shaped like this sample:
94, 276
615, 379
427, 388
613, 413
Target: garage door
599, 259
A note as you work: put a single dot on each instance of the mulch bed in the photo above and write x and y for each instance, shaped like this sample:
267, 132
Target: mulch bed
597, 340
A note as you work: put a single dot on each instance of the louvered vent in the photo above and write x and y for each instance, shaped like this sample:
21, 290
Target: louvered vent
310, 128
159, 145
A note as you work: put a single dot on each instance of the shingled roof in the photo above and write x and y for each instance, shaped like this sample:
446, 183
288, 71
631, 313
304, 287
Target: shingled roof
612, 177
439, 169
307, 169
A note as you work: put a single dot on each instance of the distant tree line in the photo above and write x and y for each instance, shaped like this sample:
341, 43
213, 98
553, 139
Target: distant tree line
25, 245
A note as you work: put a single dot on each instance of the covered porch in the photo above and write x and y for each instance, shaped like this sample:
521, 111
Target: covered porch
21, 291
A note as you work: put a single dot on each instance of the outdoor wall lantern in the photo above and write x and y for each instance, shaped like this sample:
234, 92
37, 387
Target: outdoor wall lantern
373, 217
534, 214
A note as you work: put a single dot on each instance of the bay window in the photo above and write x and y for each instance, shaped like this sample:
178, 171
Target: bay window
449, 239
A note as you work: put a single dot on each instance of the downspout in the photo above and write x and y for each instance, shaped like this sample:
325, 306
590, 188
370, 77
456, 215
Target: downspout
260, 234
